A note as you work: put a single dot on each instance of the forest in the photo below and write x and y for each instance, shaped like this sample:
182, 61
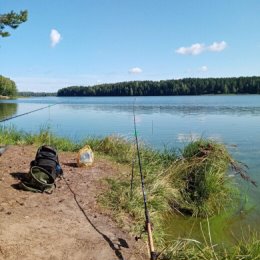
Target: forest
187, 86
7, 87
36, 94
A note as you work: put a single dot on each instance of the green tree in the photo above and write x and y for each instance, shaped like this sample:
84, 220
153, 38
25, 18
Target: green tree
7, 87
12, 20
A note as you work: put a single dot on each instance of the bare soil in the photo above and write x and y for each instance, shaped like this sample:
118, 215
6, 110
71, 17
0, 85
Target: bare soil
67, 224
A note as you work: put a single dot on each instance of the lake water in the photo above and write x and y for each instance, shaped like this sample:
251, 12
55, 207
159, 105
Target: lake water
161, 121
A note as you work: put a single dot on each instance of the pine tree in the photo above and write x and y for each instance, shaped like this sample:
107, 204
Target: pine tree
12, 20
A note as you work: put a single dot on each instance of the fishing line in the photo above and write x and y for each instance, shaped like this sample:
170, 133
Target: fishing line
27, 113
153, 255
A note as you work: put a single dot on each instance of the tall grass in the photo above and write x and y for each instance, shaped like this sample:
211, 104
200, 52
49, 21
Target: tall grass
194, 182
10, 136
202, 178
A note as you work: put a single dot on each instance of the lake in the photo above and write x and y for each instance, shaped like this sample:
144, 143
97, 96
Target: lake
161, 122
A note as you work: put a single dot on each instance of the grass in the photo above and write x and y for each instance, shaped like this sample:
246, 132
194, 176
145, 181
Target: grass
192, 182
201, 177
11, 136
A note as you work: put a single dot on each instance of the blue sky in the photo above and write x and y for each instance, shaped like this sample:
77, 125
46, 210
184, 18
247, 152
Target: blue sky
87, 42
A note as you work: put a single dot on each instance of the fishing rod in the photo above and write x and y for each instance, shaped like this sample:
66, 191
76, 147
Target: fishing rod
32, 111
153, 255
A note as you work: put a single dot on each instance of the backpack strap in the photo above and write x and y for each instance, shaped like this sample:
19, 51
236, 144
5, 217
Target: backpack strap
28, 187
38, 180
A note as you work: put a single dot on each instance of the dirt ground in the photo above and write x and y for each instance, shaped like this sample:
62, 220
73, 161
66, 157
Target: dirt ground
67, 224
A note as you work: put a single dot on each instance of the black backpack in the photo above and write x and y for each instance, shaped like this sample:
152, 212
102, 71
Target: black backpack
47, 158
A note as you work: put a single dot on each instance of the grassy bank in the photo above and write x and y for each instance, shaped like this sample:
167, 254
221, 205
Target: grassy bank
194, 182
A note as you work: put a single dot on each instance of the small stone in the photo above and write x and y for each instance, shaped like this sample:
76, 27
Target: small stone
20, 203
9, 213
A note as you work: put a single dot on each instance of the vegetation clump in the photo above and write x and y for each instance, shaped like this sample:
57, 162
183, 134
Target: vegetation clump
201, 176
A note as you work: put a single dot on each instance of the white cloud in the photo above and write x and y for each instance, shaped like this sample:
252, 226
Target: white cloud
217, 46
135, 70
55, 37
194, 49
198, 48
203, 69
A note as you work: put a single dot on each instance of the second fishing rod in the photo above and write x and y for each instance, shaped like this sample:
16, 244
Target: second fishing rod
153, 255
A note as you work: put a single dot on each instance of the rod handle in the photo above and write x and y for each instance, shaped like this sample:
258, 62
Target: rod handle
150, 241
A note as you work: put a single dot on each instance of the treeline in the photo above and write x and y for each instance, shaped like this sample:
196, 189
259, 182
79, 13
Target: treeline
188, 86
7, 87
36, 94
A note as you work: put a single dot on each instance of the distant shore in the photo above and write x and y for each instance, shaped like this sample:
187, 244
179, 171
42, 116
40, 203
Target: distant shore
4, 97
